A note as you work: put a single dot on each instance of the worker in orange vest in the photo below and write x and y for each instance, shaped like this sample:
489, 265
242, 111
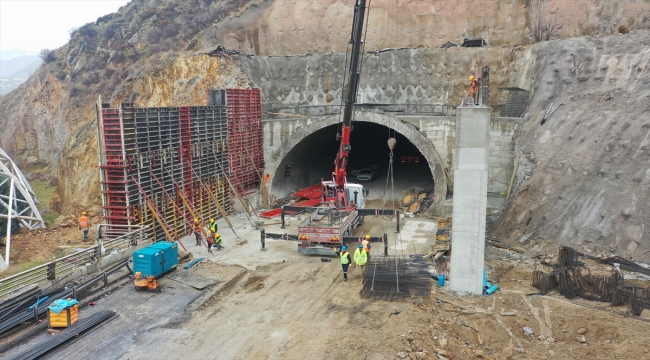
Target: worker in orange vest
473, 90
84, 224
197, 232
366, 245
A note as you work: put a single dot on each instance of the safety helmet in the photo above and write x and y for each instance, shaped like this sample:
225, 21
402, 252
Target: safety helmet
368, 237
344, 247
83, 213
211, 220
471, 78
216, 235
360, 246
196, 220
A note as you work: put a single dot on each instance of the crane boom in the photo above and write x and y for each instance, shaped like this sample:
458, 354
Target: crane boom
341, 162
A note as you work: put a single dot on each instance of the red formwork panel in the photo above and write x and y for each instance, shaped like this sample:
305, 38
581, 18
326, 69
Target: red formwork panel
114, 187
245, 142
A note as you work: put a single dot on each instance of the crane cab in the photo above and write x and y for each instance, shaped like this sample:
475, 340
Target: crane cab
354, 195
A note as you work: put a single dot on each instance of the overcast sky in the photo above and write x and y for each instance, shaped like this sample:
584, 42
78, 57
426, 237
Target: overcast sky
33, 25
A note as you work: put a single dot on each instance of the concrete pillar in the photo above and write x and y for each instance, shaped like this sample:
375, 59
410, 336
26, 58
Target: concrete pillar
470, 199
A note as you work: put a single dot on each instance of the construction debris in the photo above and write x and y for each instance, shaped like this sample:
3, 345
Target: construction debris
222, 51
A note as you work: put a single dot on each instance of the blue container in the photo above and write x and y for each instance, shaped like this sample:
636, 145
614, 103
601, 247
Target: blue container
441, 280
148, 261
170, 254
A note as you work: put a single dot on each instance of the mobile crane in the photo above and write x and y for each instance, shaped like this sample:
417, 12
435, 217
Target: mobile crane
344, 196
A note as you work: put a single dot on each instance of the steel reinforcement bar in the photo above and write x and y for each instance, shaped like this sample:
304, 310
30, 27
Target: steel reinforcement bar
73, 331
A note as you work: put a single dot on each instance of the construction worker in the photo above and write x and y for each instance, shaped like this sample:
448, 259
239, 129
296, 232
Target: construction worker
360, 258
197, 232
213, 226
217, 242
366, 246
473, 90
84, 224
345, 261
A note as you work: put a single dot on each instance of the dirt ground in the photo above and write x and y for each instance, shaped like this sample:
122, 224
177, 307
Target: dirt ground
306, 311
31, 248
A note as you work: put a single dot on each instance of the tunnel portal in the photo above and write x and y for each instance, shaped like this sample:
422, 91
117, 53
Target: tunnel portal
312, 159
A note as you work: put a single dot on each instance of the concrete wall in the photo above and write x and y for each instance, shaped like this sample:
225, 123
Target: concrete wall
282, 135
470, 199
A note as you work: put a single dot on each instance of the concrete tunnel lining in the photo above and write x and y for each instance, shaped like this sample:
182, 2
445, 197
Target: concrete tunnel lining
303, 140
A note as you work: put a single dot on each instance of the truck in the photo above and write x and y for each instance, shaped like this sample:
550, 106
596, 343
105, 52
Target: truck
326, 226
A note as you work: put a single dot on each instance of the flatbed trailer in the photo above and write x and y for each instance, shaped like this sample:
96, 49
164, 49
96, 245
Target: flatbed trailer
324, 229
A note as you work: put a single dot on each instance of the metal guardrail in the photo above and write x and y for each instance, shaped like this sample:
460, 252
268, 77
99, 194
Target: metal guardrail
111, 240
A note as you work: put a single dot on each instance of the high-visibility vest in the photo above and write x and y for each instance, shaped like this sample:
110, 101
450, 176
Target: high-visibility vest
213, 227
217, 240
365, 243
83, 221
360, 257
344, 258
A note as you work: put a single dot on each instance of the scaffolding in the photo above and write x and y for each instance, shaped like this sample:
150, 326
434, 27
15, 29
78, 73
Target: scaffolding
189, 150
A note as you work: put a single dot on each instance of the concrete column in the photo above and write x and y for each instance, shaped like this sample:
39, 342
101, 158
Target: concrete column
470, 199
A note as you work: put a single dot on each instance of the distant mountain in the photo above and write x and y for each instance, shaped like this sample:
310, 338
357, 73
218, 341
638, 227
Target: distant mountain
10, 67
14, 53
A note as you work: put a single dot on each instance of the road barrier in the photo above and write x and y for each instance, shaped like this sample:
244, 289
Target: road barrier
111, 240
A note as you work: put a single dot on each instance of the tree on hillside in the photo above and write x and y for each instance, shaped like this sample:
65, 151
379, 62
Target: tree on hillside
46, 55
542, 23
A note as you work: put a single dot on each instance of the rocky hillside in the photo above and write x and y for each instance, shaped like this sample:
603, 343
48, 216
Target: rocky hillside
49, 122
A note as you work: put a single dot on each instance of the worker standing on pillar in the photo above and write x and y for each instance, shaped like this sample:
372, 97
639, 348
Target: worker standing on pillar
197, 232
360, 258
366, 246
345, 261
473, 90
84, 224
213, 226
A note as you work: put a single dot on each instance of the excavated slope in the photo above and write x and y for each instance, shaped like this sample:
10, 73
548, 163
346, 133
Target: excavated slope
584, 175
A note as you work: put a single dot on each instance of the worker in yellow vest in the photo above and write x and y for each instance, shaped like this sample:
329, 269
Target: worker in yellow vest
345, 260
366, 245
360, 259
84, 224
213, 225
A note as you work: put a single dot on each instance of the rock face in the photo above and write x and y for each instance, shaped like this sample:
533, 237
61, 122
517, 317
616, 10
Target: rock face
281, 27
584, 175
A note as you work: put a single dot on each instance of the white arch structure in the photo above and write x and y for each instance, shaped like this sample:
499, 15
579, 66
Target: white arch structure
11, 205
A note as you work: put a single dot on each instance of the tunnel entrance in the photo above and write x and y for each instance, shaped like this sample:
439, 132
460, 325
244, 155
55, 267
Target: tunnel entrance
312, 159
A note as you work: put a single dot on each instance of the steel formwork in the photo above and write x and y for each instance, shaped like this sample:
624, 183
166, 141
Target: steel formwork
246, 156
153, 155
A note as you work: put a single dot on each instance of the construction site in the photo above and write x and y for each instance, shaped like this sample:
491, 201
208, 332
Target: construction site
449, 198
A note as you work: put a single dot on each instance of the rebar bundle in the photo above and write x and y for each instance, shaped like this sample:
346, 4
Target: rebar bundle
572, 279
395, 278
568, 257
71, 332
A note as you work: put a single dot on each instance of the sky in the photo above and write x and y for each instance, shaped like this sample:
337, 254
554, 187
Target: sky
34, 25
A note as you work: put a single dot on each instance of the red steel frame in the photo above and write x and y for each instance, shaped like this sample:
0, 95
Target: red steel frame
245, 142
116, 210
185, 154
